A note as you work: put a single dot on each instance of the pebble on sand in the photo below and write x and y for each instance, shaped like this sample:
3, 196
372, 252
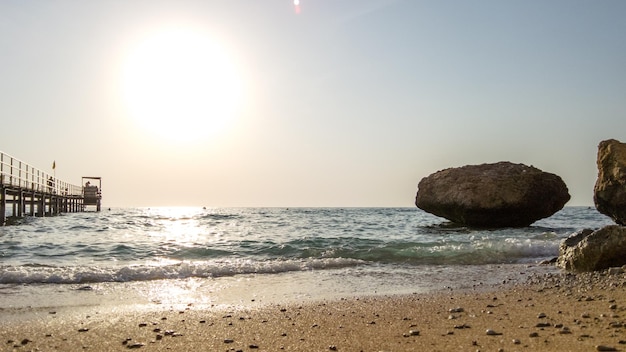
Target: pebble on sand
492, 332
135, 345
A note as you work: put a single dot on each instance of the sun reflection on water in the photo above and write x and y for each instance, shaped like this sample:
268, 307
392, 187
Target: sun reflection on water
178, 225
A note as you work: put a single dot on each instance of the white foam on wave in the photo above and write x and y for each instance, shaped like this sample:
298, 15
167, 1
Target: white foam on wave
480, 251
155, 271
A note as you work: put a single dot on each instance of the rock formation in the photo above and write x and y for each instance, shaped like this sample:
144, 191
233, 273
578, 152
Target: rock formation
589, 250
492, 195
609, 193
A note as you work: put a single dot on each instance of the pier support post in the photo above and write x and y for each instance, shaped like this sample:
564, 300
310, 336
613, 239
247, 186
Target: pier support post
3, 205
20, 204
13, 205
32, 204
41, 206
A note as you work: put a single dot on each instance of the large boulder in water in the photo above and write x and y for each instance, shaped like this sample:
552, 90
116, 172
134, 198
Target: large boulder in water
589, 250
492, 195
609, 193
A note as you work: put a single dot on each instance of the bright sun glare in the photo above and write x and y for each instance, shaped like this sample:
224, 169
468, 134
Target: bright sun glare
180, 85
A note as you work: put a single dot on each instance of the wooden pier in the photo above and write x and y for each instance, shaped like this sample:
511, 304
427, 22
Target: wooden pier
27, 191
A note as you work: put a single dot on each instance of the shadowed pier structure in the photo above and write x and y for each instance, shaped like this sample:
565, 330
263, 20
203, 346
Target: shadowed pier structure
92, 193
27, 191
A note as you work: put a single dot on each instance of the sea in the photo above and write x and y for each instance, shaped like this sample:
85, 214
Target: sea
210, 257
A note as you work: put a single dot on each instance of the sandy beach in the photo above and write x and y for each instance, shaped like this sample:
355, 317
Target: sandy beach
550, 312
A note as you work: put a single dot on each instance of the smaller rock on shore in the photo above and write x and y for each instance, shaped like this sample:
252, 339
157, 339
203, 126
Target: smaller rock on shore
589, 250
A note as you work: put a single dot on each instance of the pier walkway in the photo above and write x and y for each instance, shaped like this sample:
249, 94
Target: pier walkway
27, 191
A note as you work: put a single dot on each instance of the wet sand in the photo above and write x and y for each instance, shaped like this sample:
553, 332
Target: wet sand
551, 312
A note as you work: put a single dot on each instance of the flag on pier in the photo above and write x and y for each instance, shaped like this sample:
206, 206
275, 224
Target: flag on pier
54, 164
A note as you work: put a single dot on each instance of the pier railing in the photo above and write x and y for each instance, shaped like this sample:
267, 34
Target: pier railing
16, 173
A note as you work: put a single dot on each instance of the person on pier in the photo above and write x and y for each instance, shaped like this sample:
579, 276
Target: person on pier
50, 183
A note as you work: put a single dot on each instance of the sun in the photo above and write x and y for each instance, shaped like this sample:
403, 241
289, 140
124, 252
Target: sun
179, 85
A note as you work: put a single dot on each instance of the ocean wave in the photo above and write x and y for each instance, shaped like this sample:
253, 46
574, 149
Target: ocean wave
475, 252
106, 246
30, 274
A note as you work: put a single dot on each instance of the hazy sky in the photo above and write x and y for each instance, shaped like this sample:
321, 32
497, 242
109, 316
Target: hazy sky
332, 103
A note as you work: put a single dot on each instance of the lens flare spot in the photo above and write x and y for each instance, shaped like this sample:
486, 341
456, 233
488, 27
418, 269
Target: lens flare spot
296, 4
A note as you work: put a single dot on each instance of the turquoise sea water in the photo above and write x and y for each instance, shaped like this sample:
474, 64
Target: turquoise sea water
303, 252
